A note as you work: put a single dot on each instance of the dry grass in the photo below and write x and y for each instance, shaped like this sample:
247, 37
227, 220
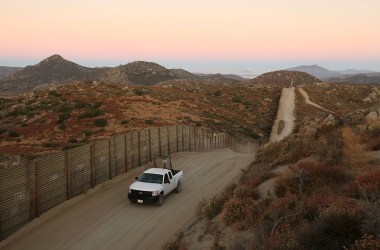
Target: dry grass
354, 148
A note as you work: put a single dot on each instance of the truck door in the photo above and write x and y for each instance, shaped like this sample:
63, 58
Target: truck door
169, 184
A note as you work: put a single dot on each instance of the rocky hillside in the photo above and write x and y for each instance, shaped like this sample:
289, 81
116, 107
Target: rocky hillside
69, 115
6, 71
284, 78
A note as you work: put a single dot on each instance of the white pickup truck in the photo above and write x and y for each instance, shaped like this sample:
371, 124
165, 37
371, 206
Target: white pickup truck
155, 183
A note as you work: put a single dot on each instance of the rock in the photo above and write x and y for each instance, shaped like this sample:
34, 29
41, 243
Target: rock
372, 117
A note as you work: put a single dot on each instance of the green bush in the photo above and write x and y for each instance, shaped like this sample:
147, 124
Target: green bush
54, 93
73, 140
101, 122
91, 113
12, 133
87, 132
237, 99
139, 92
149, 121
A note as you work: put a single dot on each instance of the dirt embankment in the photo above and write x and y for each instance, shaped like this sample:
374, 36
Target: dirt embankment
106, 220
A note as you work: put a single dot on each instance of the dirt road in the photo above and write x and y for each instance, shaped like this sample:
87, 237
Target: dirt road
285, 114
106, 219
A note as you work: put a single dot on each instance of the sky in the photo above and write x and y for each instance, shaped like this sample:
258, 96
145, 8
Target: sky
206, 36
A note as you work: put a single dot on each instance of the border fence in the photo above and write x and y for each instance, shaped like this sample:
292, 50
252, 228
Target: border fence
30, 189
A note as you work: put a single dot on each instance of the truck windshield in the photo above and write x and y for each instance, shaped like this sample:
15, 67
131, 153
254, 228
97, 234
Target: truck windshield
150, 178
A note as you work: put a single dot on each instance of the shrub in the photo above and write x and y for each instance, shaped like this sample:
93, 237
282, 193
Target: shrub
65, 108
101, 122
90, 113
217, 93
125, 121
54, 93
353, 149
139, 92
81, 104
73, 140
308, 177
237, 99
366, 186
149, 121
208, 209
332, 231
367, 242
64, 116
12, 133
87, 132
233, 210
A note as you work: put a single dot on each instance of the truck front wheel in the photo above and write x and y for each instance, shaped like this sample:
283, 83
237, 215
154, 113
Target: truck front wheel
160, 200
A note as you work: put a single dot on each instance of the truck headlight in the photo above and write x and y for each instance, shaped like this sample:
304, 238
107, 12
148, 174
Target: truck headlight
155, 193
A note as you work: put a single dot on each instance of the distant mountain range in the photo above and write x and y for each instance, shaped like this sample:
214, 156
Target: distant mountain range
6, 71
349, 75
55, 70
284, 78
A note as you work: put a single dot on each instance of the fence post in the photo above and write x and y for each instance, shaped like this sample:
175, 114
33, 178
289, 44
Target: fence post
37, 190
150, 147
189, 138
183, 140
139, 148
195, 138
92, 167
109, 159
176, 135
159, 140
167, 131
125, 153
68, 175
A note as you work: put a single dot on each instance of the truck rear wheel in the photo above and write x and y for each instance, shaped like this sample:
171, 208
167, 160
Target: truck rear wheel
160, 200
179, 187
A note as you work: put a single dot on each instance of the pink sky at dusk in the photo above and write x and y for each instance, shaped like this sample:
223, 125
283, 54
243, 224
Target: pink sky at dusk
168, 30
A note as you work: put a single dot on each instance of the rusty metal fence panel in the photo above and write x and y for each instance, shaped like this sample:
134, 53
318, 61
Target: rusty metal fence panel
134, 150
128, 142
79, 165
173, 146
101, 161
17, 197
119, 154
164, 140
180, 138
155, 142
52, 181
185, 138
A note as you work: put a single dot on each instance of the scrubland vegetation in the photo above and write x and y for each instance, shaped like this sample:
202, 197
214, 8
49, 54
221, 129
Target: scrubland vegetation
328, 198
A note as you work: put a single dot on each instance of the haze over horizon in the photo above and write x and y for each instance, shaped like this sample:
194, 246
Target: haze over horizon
201, 36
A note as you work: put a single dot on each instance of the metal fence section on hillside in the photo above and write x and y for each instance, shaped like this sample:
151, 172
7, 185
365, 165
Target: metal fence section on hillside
28, 190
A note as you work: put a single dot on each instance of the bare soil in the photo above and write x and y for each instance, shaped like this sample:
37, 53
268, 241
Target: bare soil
105, 219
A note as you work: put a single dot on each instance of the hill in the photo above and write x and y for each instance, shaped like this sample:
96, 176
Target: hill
316, 71
284, 78
6, 71
50, 71
344, 76
55, 70
362, 78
